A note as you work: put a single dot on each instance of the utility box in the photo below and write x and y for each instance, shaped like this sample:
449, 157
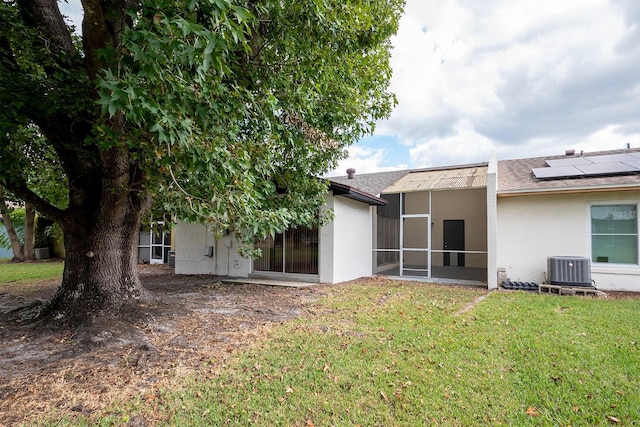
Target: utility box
171, 259
41, 253
569, 271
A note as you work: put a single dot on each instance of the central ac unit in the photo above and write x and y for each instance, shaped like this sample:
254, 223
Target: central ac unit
569, 271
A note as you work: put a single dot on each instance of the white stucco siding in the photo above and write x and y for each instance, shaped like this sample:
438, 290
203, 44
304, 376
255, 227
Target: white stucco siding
352, 240
190, 243
325, 261
532, 228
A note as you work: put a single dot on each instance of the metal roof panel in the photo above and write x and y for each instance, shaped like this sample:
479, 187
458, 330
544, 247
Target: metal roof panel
442, 179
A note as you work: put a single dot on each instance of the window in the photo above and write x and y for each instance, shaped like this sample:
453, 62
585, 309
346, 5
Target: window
614, 233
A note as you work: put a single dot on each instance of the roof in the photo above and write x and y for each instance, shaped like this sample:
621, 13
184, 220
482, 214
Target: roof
515, 177
460, 177
349, 192
371, 183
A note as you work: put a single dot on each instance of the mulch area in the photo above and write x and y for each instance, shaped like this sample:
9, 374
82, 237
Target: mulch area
196, 326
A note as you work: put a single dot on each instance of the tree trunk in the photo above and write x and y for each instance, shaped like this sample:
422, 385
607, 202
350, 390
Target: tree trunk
101, 242
100, 271
16, 246
29, 228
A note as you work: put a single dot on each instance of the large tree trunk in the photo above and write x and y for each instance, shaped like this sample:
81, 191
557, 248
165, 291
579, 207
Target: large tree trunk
100, 271
101, 242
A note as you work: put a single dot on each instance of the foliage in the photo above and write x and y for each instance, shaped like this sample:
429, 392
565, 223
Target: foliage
226, 111
400, 354
44, 229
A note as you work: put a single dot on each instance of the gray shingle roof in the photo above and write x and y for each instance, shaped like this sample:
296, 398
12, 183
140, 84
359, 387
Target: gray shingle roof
515, 176
372, 183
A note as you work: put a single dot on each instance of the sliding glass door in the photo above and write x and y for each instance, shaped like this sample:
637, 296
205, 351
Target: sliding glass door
294, 251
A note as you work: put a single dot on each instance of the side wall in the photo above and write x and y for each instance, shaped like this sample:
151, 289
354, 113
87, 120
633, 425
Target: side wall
532, 228
352, 240
5, 253
190, 243
345, 246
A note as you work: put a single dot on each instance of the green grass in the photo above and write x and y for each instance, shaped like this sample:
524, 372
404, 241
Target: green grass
399, 355
28, 272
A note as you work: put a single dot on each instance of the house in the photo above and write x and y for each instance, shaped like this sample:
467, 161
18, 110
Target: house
453, 224
338, 251
581, 205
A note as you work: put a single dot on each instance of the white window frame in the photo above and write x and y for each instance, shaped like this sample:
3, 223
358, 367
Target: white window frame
590, 235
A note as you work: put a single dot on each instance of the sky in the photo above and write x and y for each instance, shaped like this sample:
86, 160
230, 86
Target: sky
519, 78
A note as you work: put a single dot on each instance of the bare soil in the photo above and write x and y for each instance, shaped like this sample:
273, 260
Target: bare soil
195, 327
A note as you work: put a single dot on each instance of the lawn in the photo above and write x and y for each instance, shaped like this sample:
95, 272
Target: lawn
403, 354
28, 272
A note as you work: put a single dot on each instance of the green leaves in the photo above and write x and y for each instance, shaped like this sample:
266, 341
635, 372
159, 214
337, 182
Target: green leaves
228, 110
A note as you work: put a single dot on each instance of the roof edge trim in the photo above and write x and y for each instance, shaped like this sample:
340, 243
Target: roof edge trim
355, 194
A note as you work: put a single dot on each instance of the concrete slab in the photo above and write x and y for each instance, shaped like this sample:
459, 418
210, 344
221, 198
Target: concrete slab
268, 282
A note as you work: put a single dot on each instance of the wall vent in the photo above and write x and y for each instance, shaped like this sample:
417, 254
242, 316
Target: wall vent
569, 271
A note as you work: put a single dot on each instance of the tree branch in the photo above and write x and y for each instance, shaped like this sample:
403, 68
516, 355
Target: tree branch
45, 14
21, 190
102, 26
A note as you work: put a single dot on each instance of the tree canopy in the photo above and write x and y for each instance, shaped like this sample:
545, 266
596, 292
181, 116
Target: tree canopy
224, 111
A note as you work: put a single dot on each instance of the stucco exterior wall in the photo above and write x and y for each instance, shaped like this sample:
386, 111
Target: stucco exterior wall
345, 247
352, 240
534, 227
190, 243
326, 244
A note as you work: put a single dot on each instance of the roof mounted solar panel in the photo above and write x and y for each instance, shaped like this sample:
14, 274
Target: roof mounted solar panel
557, 172
613, 168
610, 158
568, 161
634, 163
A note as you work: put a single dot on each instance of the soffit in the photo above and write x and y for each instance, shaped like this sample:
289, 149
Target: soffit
443, 179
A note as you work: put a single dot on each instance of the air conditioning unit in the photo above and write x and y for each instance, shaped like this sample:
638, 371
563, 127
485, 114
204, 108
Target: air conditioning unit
569, 271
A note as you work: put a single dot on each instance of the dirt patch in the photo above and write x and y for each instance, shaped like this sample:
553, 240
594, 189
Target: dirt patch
195, 327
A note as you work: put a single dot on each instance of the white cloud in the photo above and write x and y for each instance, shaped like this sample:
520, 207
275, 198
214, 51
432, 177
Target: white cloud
364, 160
72, 10
523, 78
464, 146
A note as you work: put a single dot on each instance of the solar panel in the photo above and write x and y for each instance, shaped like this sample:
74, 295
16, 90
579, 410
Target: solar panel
568, 161
611, 168
634, 163
579, 166
610, 158
556, 172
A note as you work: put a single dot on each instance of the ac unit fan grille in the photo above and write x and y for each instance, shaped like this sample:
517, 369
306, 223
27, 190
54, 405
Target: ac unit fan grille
569, 271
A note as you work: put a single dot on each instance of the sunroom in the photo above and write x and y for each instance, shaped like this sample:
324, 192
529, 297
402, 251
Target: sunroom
434, 225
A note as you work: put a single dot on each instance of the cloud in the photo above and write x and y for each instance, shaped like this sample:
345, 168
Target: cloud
463, 146
516, 77
72, 10
365, 160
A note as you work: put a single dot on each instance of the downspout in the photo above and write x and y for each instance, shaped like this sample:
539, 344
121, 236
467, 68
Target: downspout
492, 223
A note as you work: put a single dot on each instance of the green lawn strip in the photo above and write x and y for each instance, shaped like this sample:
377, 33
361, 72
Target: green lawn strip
398, 354
28, 272
575, 360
